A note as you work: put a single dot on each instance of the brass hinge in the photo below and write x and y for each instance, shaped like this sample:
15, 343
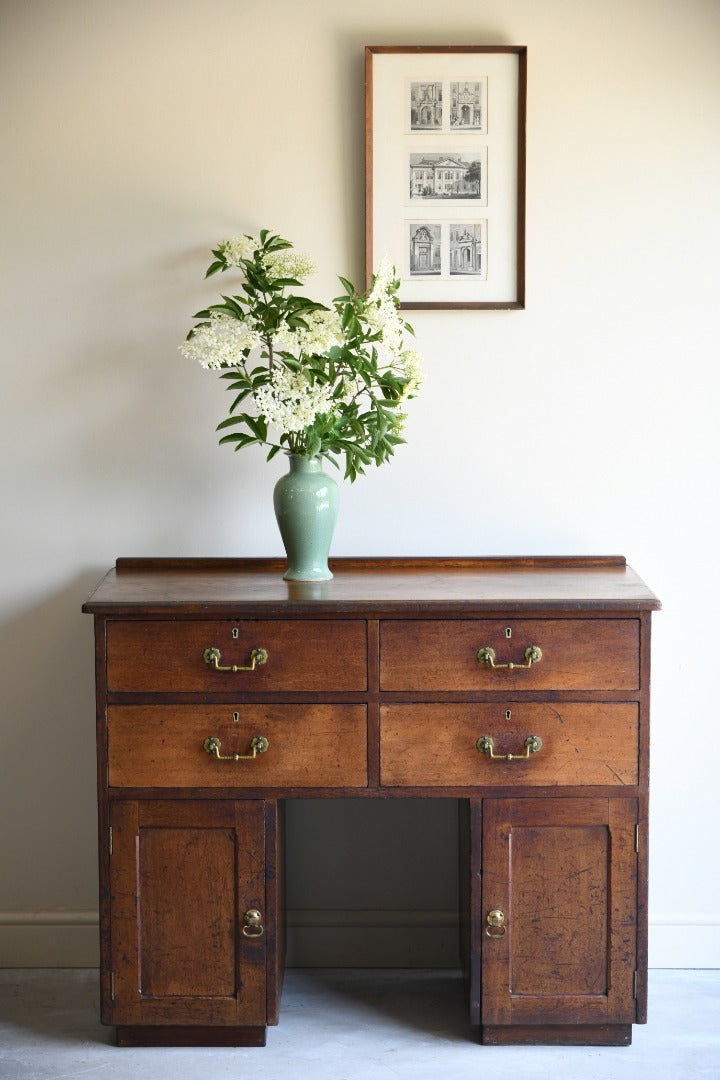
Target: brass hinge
112, 985
110, 839
637, 837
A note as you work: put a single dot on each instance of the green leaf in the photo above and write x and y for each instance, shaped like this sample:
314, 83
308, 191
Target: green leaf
286, 282
240, 438
347, 285
233, 305
241, 397
258, 427
232, 421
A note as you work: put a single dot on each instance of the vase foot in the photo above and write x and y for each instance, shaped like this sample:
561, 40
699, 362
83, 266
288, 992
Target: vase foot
304, 575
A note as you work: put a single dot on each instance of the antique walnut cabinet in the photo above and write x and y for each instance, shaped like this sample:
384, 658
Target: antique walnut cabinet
520, 687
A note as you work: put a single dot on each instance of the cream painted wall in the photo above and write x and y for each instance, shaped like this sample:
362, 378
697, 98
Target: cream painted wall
134, 135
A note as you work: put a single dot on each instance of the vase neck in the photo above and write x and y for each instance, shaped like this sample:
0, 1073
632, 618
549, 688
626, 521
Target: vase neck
298, 463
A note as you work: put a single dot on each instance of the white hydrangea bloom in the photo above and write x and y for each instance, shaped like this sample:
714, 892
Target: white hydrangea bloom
290, 402
237, 248
223, 342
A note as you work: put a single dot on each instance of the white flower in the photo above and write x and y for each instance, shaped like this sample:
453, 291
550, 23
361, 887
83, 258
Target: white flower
222, 342
381, 312
285, 338
411, 362
290, 402
398, 422
383, 317
351, 388
384, 277
238, 248
324, 331
288, 264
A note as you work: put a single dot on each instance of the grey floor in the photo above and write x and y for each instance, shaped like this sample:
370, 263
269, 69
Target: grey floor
352, 1025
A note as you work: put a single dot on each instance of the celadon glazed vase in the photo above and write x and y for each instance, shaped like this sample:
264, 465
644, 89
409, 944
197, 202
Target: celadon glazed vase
306, 505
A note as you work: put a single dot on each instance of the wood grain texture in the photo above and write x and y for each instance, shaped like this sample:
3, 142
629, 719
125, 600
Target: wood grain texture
577, 654
564, 872
231, 587
557, 1035
190, 1035
182, 876
373, 689
435, 745
163, 655
161, 746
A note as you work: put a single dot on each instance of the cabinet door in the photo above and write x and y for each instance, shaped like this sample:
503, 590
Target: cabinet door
563, 873
183, 875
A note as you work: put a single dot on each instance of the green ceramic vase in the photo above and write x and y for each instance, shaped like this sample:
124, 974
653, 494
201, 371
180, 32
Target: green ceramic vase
306, 505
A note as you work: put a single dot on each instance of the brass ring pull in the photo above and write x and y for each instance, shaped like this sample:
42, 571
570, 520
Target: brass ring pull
486, 655
533, 744
253, 925
495, 923
258, 745
213, 656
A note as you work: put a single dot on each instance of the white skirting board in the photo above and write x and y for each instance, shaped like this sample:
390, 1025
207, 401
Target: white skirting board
411, 939
36, 939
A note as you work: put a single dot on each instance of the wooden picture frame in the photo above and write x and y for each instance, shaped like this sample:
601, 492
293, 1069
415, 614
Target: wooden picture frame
445, 172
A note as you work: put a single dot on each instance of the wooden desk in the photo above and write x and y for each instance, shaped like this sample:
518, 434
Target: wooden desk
518, 686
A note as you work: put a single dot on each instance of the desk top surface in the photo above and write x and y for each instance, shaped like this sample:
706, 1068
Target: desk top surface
385, 586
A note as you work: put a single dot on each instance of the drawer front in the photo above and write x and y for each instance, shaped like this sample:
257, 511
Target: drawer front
165, 656
307, 746
436, 745
577, 654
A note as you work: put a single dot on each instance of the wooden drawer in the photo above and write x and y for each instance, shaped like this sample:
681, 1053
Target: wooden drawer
166, 656
308, 746
577, 654
435, 745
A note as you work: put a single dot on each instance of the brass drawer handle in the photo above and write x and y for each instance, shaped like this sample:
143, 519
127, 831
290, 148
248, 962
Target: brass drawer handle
533, 744
253, 924
495, 923
213, 656
258, 745
486, 655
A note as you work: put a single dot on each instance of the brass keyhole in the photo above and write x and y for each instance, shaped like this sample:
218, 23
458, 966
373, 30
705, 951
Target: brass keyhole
495, 920
253, 924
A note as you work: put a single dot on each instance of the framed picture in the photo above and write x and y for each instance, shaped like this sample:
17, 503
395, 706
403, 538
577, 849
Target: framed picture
445, 172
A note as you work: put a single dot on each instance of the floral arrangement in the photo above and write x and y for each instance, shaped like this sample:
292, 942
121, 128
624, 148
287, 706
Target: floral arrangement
331, 381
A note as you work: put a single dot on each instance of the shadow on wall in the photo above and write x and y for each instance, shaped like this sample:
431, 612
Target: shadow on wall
47, 769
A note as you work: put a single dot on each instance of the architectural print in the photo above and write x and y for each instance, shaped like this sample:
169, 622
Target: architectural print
425, 255
445, 176
450, 176
426, 101
467, 249
467, 108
